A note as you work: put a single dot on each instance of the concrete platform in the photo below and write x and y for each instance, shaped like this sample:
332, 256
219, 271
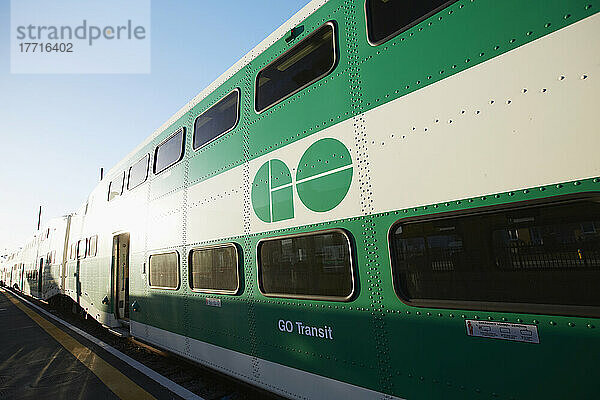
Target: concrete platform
41, 359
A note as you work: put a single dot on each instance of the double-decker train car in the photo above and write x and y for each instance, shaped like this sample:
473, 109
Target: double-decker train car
383, 199
11, 269
36, 269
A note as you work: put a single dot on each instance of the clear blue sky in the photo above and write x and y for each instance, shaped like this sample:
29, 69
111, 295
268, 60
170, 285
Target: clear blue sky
58, 130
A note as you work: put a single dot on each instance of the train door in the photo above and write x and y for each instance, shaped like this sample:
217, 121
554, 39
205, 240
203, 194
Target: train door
120, 262
40, 277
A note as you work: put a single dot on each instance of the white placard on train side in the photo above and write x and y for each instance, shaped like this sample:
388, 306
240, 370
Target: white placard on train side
213, 302
502, 330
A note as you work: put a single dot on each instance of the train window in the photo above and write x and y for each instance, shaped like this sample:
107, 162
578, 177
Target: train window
164, 270
92, 246
217, 120
215, 269
138, 173
81, 248
311, 59
387, 18
72, 251
115, 187
169, 152
310, 266
534, 258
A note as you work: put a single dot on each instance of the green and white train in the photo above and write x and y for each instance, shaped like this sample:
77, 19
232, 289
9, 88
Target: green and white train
384, 199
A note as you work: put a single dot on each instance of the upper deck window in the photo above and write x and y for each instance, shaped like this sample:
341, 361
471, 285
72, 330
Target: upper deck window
169, 152
138, 173
115, 187
535, 258
217, 120
92, 246
387, 18
81, 248
73, 251
311, 59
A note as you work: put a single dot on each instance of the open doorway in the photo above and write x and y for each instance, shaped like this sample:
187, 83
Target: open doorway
120, 262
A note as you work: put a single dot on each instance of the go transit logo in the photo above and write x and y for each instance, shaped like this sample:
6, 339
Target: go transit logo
322, 181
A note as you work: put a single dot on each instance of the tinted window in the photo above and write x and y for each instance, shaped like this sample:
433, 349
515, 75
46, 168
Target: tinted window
315, 265
164, 270
214, 268
138, 173
536, 255
387, 18
169, 152
93, 246
311, 59
115, 187
220, 118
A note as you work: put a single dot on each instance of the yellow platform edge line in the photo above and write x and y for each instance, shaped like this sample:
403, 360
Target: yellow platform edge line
116, 381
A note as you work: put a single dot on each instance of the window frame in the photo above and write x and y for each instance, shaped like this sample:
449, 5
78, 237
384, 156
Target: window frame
73, 251
237, 269
147, 156
181, 155
347, 235
89, 246
178, 271
85, 241
336, 57
404, 28
237, 118
506, 307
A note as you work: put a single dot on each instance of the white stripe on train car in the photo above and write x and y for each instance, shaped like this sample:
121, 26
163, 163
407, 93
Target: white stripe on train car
431, 163
278, 378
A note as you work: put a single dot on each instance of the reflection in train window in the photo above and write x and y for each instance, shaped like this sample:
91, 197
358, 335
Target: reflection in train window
311, 59
169, 152
164, 270
312, 265
217, 120
387, 18
215, 269
544, 254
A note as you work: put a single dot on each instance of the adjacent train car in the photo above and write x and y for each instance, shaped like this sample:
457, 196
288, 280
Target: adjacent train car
383, 199
51, 256
37, 268
13, 270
